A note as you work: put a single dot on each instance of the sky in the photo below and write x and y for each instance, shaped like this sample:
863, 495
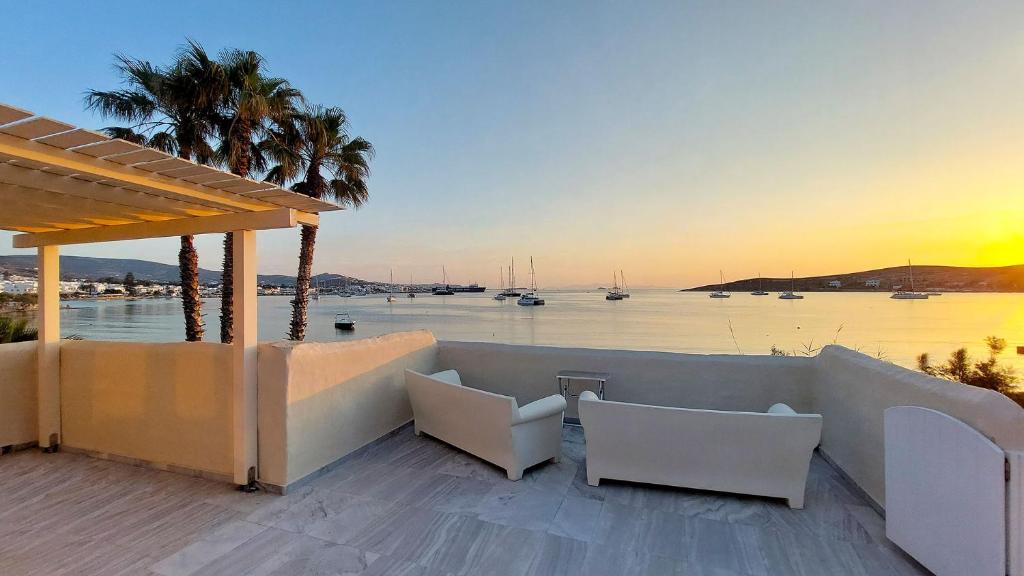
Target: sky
667, 139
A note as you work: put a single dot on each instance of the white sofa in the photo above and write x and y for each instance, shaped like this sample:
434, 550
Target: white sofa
764, 454
490, 426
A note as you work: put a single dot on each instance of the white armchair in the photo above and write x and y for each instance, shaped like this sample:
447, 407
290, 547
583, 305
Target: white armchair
490, 426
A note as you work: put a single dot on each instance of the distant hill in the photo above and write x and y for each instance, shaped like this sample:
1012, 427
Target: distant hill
926, 278
88, 268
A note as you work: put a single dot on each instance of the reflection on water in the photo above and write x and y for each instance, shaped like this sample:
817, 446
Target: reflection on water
650, 320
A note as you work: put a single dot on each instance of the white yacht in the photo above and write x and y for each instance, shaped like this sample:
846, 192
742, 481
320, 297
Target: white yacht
531, 298
903, 294
720, 293
791, 294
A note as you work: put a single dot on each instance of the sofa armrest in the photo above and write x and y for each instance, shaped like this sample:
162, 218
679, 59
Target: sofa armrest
542, 408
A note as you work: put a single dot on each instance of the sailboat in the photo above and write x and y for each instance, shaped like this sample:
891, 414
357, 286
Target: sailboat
903, 295
411, 294
391, 288
530, 298
614, 293
625, 291
511, 292
760, 288
500, 296
720, 293
446, 290
316, 290
790, 295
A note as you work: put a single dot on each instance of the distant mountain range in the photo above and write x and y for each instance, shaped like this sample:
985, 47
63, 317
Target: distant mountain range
88, 268
926, 278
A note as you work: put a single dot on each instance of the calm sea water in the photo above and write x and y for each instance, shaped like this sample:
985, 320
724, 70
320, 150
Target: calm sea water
650, 320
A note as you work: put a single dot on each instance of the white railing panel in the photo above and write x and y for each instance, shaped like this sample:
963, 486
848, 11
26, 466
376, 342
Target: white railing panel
945, 493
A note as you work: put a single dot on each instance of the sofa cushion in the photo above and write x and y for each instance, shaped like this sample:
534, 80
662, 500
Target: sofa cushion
448, 377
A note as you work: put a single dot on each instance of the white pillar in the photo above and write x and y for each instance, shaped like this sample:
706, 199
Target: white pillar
48, 346
244, 385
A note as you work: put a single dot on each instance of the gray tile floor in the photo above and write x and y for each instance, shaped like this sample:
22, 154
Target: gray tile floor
414, 506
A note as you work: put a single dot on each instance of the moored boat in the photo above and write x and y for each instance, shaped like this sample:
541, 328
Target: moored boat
342, 321
531, 298
791, 293
911, 295
720, 293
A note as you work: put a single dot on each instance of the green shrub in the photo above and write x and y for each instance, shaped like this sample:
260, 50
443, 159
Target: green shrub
16, 330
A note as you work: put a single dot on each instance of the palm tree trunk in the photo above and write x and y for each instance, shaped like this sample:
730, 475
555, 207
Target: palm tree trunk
227, 292
300, 304
188, 268
227, 282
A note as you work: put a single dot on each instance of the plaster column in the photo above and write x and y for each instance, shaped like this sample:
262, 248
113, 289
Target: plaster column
244, 384
48, 347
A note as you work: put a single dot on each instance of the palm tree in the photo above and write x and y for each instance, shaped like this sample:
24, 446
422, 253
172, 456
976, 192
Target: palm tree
251, 100
314, 141
171, 109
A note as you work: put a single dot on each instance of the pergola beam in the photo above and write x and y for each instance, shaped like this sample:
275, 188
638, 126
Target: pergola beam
262, 220
80, 163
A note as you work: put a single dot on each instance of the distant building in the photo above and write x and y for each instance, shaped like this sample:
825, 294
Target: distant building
873, 283
835, 284
18, 286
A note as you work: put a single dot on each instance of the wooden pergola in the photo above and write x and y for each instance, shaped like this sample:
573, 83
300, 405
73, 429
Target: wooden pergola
65, 185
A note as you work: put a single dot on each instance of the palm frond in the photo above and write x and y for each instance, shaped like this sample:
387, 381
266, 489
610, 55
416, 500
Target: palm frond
125, 134
128, 105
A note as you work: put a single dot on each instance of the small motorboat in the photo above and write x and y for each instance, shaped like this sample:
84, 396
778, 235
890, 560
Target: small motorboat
530, 299
499, 297
411, 295
342, 321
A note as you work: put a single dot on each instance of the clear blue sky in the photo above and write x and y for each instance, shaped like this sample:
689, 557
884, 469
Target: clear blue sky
670, 139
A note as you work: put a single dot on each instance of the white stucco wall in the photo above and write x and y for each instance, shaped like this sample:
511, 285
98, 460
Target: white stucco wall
715, 382
163, 403
18, 408
321, 401
851, 391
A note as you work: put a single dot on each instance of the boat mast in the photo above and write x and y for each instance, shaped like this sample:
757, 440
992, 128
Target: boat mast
911, 268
